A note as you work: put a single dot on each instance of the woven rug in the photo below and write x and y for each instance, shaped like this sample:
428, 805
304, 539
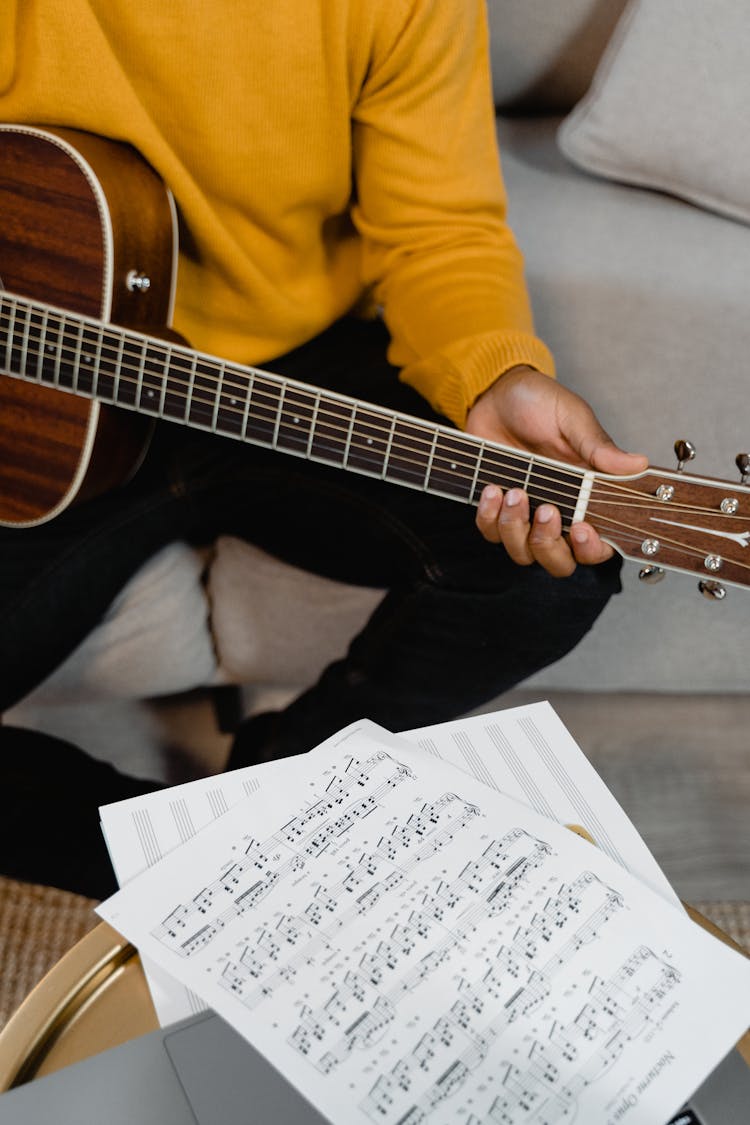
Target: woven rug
39, 924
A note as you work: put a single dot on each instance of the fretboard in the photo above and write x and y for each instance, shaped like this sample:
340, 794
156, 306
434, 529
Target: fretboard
55, 348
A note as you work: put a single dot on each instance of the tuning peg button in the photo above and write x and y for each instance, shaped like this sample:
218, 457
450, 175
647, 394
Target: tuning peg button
651, 574
684, 452
742, 461
714, 591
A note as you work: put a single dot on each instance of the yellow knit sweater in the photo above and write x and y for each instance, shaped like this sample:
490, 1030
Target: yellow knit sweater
321, 152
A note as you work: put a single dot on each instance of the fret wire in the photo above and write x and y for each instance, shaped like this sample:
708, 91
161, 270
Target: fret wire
279, 409
96, 362
77, 355
528, 473
141, 374
69, 332
388, 447
430, 459
118, 367
479, 458
62, 363
347, 445
164, 384
25, 340
313, 422
11, 337
40, 357
190, 388
217, 397
58, 351
164, 356
248, 397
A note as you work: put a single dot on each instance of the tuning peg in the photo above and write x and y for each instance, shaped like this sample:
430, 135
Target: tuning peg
684, 451
742, 461
714, 591
651, 574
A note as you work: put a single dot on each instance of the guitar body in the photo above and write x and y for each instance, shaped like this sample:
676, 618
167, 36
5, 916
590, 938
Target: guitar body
78, 213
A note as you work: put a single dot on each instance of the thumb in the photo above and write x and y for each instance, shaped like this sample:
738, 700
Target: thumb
609, 458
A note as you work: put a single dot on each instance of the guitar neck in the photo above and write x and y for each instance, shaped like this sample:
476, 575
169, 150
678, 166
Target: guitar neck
68, 352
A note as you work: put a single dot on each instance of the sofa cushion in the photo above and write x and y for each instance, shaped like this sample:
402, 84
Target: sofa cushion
669, 102
544, 52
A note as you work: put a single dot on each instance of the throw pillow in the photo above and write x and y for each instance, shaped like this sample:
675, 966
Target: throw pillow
669, 104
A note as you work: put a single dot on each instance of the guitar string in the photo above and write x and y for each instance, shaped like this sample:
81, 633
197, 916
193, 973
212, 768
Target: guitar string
495, 460
626, 531
463, 443
533, 495
631, 532
216, 404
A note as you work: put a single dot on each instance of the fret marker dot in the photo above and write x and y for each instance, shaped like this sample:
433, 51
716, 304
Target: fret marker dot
150, 394
453, 465
233, 402
296, 421
369, 441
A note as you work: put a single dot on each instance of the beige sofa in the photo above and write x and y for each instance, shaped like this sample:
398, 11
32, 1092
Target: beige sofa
642, 292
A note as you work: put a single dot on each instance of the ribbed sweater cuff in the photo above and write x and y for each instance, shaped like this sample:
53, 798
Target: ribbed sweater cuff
454, 378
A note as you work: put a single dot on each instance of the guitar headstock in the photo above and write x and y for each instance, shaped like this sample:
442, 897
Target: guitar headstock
675, 521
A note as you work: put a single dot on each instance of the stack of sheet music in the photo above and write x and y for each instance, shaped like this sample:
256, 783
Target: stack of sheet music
407, 929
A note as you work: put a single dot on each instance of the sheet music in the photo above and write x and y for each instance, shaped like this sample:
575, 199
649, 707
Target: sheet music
528, 753
525, 752
407, 945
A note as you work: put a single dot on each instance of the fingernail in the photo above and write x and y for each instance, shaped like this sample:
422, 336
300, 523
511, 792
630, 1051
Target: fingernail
579, 534
513, 497
545, 513
489, 496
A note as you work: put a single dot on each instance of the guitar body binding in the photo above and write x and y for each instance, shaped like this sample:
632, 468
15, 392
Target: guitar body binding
78, 214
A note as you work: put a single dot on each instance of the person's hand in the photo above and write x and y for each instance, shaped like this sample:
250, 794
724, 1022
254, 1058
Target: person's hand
530, 411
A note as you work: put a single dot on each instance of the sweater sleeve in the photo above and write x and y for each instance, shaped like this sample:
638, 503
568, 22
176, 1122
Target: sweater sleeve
431, 206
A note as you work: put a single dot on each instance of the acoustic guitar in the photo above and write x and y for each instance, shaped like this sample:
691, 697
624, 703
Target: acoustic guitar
87, 271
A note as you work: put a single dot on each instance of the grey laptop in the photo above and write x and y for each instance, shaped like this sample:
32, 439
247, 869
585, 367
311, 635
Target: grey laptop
200, 1072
